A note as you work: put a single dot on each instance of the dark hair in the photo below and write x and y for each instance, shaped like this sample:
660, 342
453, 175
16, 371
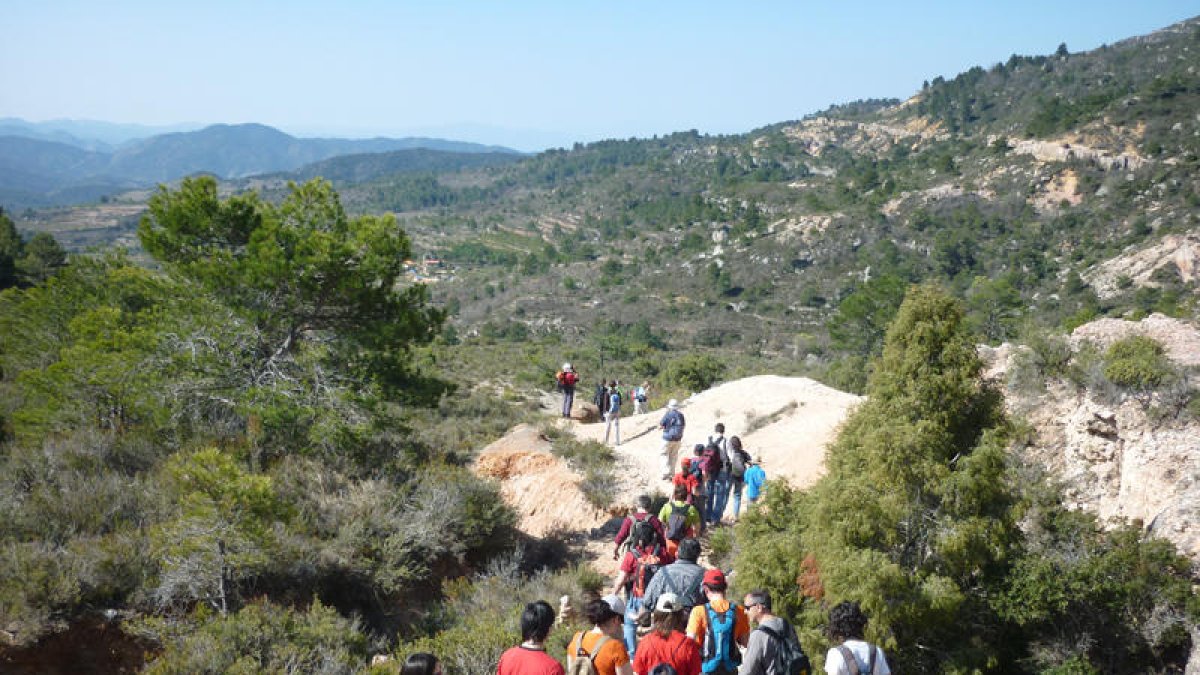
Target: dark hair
420, 663
689, 549
612, 383
720, 428
847, 621
759, 597
680, 492
698, 450
718, 587
735, 442
664, 669
536, 621
665, 622
598, 612
644, 501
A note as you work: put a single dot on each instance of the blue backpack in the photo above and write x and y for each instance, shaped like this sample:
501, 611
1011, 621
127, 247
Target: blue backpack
675, 422
719, 650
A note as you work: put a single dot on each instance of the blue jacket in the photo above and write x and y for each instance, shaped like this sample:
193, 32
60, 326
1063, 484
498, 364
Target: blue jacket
756, 480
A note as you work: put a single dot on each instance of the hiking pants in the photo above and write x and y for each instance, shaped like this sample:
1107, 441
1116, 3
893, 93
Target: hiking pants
670, 452
736, 487
717, 497
639, 407
632, 607
568, 401
614, 420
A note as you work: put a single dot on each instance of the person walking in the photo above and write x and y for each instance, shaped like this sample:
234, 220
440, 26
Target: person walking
854, 656
641, 394
602, 645
600, 397
717, 490
773, 648
719, 627
666, 644
682, 577
613, 415
647, 554
672, 425
530, 657
756, 481
739, 461
631, 525
567, 379
680, 518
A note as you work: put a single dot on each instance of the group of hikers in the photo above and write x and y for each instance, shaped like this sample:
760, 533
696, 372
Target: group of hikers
608, 398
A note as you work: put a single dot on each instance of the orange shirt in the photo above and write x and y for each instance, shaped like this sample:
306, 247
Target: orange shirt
611, 655
698, 622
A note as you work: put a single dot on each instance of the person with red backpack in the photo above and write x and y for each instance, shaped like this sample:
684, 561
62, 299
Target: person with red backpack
567, 378
646, 555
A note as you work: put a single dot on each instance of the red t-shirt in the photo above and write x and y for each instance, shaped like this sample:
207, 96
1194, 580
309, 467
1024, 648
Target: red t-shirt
523, 661
676, 649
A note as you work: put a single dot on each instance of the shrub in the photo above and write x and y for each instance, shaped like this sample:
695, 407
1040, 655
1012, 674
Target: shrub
692, 372
1138, 364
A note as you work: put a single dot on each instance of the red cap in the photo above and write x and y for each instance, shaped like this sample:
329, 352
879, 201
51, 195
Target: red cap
714, 579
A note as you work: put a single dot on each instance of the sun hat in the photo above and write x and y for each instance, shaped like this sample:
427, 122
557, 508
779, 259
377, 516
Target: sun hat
672, 404
668, 602
566, 366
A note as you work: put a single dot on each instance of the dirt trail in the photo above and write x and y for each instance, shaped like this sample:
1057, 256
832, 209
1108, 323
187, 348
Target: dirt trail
785, 421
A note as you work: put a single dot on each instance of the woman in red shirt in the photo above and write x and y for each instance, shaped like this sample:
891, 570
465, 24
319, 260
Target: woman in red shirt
666, 643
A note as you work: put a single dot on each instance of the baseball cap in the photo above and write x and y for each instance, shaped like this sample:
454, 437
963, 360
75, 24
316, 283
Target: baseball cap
714, 578
616, 604
668, 602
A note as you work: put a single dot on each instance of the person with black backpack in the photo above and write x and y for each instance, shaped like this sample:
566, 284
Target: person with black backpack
634, 523
739, 461
647, 554
773, 648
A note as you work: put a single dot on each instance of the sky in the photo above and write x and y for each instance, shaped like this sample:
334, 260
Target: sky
529, 75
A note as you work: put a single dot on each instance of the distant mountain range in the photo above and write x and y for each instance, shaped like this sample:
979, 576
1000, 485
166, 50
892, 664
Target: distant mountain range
44, 165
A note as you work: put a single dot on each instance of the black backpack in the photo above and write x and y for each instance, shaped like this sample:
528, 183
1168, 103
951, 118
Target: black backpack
790, 658
677, 521
641, 533
737, 463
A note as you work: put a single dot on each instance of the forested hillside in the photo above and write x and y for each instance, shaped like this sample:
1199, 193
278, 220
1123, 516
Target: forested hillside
247, 450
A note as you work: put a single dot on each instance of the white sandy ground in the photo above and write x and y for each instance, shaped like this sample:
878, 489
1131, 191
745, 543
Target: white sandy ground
796, 419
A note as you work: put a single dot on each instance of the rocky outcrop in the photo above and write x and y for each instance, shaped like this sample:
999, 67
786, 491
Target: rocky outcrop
1175, 254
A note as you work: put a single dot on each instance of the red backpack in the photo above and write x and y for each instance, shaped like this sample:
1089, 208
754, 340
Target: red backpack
649, 561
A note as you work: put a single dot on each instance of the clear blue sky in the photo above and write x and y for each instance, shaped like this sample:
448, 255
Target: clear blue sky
526, 74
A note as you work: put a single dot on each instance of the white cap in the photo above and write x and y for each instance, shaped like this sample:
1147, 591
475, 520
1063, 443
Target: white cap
672, 404
615, 603
668, 602
566, 366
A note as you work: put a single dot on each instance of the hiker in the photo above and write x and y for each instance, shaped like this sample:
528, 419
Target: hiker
421, 663
700, 469
739, 461
687, 478
680, 518
672, 425
630, 525
718, 490
641, 394
682, 577
613, 414
666, 644
719, 627
602, 645
530, 657
567, 378
756, 481
600, 397
854, 656
647, 554
773, 648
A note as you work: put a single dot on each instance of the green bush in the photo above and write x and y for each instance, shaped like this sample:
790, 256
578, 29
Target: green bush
692, 372
1138, 364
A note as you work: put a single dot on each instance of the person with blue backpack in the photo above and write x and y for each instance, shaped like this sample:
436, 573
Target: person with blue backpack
613, 414
719, 626
672, 425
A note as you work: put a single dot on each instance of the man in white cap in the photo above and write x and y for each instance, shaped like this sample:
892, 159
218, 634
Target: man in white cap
672, 427
567, 378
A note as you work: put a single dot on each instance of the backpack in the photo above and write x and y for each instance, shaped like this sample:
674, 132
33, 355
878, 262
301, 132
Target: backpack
852, 663
719, 649
639, 394
581, 662
677, 521
649, 561
737, 463
600, 398
641, 533
790, 658
675, 423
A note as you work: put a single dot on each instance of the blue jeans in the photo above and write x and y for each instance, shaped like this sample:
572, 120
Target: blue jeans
568, 401
632, 607
737, 486
716, 495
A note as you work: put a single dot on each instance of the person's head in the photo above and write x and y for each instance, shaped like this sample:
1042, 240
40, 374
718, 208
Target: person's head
698, 450
714, 582
664, 669
681, 492
689, 549
566, 367
735, 443
667, 615
757, 604
673, 404
606, 612
645, 384
847, 622
612, 383
421, 663
644, 502
536, 621
720, 428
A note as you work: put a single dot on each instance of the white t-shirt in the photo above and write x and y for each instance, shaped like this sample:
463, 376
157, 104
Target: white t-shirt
834, 665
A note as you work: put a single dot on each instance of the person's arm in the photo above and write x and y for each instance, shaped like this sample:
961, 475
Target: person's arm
623, 533
619, 584
741, 626
752, 658
695, 625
